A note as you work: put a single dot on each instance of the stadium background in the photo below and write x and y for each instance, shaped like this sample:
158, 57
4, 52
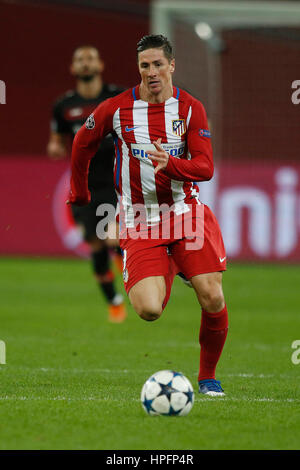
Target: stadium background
244, 82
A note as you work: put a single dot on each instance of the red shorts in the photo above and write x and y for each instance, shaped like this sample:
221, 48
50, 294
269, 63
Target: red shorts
204, 253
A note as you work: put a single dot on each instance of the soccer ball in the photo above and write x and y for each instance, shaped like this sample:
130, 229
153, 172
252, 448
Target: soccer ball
167, 393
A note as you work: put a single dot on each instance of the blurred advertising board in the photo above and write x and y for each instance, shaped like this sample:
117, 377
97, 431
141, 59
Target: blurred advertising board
257, 206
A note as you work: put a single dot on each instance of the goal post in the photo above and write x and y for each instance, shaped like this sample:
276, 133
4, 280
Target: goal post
164, 13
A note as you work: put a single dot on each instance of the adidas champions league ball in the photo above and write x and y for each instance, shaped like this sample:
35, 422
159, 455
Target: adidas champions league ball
167, 393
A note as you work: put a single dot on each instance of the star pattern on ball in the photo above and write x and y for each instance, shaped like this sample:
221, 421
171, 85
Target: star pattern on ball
166, 389
172, 412
190, 395
177, 396
147, 404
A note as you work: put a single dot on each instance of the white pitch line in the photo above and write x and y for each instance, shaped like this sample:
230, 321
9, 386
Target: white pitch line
247, 399
59, 398
105, 399
253, 376
76, 370
128, 371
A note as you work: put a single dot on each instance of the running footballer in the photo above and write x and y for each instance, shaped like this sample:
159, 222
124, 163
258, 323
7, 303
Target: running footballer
162, 146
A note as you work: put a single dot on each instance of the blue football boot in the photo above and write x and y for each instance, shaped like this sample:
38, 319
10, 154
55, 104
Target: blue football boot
211, 388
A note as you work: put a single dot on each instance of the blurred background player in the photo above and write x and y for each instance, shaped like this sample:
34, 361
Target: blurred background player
69, 113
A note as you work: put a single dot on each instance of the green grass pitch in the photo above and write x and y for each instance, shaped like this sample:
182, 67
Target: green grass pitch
73, 381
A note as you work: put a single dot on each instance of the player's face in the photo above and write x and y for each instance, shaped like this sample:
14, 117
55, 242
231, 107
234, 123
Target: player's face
155, 70
86, 63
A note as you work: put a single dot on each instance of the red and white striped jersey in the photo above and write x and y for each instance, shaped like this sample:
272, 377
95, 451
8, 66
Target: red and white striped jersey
181, 124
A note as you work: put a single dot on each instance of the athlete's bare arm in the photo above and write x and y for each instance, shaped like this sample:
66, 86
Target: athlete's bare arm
57, 146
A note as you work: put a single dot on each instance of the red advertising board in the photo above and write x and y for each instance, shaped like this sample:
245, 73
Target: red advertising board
34, 217
258, 208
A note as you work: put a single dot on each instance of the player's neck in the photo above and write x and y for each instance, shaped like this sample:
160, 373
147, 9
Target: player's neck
164, 95
89, 89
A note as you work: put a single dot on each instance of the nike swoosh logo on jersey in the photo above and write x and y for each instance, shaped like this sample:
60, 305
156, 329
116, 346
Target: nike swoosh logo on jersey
222, 259
129, 129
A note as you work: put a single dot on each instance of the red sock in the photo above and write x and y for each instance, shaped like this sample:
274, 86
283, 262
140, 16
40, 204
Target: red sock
213, 332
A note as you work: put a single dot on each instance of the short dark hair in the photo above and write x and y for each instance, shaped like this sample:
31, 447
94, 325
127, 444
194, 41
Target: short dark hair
85, 46
155, 41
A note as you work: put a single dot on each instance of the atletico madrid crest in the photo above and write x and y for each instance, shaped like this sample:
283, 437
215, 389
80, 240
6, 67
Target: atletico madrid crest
178, 127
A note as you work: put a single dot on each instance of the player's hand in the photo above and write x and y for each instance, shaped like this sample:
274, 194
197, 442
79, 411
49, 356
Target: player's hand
159, 155
56, 151
57, 146
78, 201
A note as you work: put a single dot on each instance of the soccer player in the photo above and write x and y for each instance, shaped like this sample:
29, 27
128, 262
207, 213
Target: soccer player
69, 113
162, 146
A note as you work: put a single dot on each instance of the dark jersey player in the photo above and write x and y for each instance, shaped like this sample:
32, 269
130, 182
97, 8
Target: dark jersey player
69, 113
